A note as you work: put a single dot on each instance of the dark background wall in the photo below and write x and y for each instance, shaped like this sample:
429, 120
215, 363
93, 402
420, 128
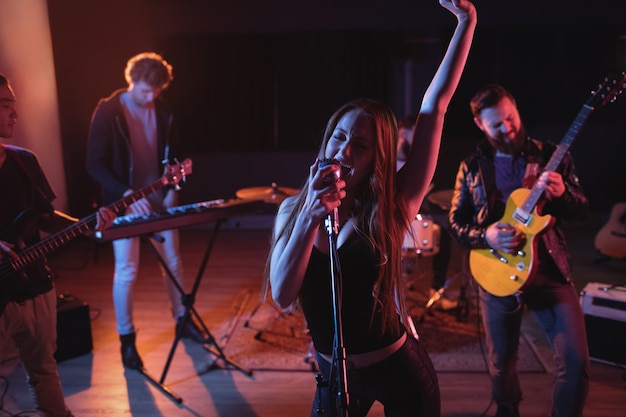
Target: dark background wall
255, 81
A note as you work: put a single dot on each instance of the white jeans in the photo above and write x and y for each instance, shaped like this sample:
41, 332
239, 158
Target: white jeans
126, 267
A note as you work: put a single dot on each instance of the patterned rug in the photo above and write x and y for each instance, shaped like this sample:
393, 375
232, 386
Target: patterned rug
261, 337
455, 339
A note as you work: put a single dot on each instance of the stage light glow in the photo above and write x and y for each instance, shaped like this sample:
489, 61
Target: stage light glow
26, 58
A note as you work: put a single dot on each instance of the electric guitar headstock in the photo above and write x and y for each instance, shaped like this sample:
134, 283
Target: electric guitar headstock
608, 91
177, 173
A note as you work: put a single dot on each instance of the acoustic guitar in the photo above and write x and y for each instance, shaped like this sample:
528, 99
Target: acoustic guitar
503, 274
611, 238
12, 268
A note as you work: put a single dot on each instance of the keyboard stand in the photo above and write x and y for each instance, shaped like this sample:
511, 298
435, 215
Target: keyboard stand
188, 300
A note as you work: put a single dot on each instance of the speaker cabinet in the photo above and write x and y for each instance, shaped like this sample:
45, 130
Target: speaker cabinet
73, 328
607, 340
604, 308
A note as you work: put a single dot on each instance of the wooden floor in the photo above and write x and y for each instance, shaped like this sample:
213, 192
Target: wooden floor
96, 384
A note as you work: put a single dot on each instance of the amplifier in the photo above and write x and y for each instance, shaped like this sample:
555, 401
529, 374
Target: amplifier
73, 328
604, 309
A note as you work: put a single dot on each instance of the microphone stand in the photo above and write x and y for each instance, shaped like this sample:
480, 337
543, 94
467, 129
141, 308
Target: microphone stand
339, 354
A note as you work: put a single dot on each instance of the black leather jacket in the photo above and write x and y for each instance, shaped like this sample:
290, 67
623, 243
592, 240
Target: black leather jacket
474, 206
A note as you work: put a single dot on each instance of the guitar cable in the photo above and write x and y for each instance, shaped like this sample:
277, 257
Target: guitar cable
481, 344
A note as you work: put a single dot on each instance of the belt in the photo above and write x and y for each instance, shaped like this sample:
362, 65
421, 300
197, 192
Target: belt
362, 360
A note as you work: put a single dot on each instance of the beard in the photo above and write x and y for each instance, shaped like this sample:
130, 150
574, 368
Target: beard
508, 146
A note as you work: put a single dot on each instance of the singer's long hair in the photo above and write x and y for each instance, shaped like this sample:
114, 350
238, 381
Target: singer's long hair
381, 217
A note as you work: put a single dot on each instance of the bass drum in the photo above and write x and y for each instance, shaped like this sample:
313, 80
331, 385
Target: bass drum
423, 236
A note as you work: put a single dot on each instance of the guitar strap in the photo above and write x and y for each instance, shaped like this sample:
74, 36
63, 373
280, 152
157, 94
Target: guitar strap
532, 168
532, 171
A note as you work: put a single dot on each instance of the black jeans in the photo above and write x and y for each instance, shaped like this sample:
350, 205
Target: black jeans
405, 384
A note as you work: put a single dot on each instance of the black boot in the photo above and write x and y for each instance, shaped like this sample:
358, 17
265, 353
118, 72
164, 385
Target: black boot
130, 357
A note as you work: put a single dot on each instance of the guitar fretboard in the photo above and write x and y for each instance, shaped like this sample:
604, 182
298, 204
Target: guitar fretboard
558, 155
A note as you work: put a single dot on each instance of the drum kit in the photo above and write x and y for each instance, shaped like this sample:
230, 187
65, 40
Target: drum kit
422, 241
422, 238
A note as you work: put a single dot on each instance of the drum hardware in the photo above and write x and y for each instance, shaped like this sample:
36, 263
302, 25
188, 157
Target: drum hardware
297, 327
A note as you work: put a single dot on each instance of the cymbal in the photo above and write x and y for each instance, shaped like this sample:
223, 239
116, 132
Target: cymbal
271, 194
442, 198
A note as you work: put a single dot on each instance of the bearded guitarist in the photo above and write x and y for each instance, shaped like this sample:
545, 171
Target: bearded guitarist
507, 242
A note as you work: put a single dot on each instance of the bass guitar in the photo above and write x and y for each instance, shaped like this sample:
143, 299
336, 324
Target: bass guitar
611, 238
504, 274
11, 268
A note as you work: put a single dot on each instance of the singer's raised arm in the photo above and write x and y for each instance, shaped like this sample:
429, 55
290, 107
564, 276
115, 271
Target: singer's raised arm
415, 176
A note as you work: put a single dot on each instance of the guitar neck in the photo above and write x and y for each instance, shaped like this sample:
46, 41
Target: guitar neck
558, 155
55, 241
126, 201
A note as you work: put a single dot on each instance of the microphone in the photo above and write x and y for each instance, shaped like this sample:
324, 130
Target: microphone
332, 221
334, 176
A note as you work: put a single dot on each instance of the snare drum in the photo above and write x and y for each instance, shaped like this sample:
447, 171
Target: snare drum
423, 236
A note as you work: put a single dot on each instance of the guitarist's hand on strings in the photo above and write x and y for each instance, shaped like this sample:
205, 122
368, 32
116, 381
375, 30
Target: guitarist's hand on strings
503, 237
552, 183
141, 206
6, 248
104, 218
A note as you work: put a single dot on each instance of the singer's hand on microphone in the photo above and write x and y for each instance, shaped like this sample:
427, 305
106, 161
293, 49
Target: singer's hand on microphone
330, 170
324, 194
332, 183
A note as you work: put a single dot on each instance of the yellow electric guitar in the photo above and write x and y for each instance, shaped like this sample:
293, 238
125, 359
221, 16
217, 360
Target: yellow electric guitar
504, 274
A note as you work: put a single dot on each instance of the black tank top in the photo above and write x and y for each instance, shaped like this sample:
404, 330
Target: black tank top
359, 270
